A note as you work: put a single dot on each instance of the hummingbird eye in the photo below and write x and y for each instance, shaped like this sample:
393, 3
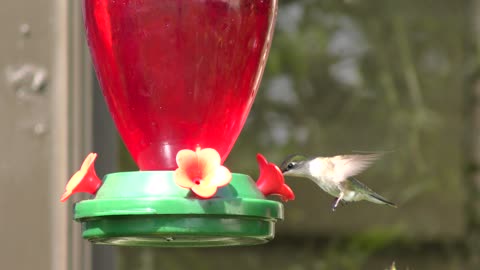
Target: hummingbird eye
290, 165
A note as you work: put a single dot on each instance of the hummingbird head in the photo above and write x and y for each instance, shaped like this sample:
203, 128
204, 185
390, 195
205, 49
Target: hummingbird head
295, 165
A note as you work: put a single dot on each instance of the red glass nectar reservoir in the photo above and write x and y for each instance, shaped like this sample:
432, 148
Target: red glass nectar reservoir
178, 74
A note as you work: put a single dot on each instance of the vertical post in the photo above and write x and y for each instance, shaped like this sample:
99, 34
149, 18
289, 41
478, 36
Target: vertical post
105, 143
71, 113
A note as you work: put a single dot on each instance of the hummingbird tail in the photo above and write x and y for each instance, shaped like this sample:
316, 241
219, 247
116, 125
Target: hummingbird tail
375, 198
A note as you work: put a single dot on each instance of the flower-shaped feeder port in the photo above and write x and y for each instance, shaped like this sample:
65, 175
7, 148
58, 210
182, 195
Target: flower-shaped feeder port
163, 208
201, 172
271, 180
84, 180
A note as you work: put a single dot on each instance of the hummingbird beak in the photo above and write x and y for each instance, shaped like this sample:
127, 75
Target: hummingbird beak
288, 173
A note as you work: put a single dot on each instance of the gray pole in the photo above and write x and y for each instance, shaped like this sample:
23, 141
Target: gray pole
105, 143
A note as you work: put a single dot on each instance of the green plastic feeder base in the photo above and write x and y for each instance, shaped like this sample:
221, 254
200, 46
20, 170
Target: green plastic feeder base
148, 209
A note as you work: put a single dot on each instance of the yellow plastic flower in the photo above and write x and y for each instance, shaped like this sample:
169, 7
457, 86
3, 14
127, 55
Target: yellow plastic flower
201, 171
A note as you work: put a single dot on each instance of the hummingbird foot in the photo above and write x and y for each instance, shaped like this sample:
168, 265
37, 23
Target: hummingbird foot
336, 201
334, 204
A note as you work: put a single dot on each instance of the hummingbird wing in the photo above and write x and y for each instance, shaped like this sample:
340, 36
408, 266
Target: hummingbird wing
346, 166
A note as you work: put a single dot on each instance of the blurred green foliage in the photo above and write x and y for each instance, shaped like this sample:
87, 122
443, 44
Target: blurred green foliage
349, 76
357, 75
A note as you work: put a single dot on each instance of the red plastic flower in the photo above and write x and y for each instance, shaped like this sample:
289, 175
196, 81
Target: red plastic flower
84, 180
271, 181
201, 171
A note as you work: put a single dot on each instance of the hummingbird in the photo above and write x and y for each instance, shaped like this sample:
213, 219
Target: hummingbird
335, 176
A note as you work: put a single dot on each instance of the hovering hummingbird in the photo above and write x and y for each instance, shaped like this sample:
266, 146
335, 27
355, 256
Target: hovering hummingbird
335, 176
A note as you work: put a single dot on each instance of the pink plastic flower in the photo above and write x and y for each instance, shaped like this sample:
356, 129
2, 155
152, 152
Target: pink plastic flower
201, 171
84, 180
271, 181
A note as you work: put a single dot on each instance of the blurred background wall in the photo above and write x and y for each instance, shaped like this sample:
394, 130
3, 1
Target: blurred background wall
342, 76
45, 130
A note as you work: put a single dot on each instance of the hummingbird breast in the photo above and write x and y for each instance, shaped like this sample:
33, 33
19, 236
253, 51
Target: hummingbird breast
335, 189
322, 172
330, 187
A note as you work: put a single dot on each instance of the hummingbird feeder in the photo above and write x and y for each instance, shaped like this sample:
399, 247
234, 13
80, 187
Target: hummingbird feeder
179, 78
